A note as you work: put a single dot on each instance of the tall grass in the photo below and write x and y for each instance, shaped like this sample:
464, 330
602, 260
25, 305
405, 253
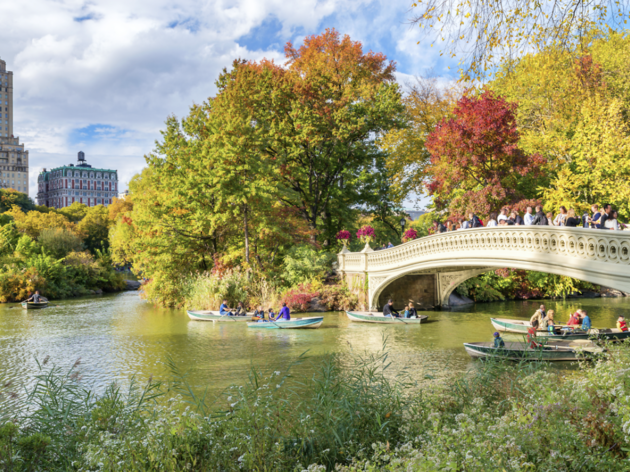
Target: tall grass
361, 415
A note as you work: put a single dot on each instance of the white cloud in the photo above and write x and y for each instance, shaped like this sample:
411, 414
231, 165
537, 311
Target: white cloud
126, 65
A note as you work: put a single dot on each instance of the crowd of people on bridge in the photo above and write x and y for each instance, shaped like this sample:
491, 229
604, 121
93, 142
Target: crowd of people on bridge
599, 218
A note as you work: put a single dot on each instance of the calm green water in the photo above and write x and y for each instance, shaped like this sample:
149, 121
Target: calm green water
117, 336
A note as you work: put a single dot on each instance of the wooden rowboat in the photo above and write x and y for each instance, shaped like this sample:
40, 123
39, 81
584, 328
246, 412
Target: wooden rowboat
216, 316
551, 351
295, 323
34, 305
521, 327
368, 317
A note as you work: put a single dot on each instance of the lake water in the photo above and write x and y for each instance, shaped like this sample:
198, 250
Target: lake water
118, 336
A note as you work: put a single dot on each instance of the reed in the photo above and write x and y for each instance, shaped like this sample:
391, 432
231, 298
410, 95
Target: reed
350, 414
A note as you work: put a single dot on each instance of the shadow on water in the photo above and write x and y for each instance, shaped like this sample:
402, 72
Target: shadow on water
117, 336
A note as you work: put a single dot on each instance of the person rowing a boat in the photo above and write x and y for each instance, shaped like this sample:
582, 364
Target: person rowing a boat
284, 315
539, 315
224, 310
37, 298
389, 310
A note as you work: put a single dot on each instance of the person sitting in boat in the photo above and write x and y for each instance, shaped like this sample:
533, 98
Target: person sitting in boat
621, 324
37, 298
259, 314
586, 322
240, 310
574, 319
531, 335
406, 312
498, 341
551, 326
271, 314
412, 310
539, 315
224, 310
285, 313
389, 310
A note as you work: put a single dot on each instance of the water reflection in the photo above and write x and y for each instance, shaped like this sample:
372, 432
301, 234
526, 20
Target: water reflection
117, 336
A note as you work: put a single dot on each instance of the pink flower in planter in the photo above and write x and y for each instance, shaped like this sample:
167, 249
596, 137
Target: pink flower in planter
366, 234
343, 235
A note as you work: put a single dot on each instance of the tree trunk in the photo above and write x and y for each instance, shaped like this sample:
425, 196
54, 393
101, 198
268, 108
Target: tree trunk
246, 235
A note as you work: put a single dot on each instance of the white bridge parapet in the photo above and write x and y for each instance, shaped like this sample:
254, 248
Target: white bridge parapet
598, 256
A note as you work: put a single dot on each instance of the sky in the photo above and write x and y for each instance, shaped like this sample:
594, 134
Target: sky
102, 76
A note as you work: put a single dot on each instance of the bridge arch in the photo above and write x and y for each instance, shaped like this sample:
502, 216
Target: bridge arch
596, 256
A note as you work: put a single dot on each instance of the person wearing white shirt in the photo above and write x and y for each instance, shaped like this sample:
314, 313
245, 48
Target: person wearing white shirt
561, 218
492, 221
503, 215
528, 218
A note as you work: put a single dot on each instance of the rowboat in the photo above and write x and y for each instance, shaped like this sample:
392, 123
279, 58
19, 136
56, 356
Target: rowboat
521, 327
216, 316
510, 326
295, 323
550, 351
368, 317
34, 305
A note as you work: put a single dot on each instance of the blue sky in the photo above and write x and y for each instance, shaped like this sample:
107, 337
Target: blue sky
102, 76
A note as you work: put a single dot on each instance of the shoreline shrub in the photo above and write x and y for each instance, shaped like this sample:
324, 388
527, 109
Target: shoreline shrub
350, 414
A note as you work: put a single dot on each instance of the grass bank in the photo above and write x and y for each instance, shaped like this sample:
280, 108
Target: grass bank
504, 417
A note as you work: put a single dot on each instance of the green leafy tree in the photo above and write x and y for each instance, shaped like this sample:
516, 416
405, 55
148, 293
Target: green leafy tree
75, 212
59, 242
95, 228
10, 197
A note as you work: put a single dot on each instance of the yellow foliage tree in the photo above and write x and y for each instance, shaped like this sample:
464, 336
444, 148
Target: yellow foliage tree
120, 206
485, 32
599, 169
34, 222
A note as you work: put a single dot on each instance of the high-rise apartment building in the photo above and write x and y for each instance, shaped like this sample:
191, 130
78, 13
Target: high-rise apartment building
62, 186
13, 157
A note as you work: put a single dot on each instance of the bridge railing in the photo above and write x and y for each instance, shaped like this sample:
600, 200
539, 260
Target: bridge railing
582, 243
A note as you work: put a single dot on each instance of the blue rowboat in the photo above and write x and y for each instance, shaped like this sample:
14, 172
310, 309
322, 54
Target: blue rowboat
216, 316
295, 323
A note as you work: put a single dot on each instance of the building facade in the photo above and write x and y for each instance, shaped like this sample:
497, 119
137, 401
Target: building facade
13, 157
62, 186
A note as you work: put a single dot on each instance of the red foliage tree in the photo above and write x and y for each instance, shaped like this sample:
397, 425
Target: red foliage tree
476, 165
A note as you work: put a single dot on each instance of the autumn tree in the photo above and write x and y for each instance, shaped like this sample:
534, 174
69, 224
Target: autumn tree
426, 104
75, 212
10, 197
550, 88
476, 163
118, 207
34, 222
484, 33
599, 168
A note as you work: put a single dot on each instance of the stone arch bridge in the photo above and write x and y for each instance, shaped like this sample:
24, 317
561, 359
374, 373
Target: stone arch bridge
427, 270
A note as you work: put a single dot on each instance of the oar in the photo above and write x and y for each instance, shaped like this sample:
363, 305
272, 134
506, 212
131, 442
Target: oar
227, 314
